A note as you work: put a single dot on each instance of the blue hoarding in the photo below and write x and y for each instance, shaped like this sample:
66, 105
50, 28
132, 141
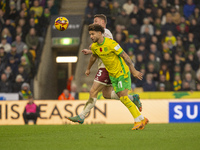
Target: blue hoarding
184, 112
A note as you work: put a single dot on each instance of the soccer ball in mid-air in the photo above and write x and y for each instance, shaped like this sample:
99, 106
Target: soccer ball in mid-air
61, 23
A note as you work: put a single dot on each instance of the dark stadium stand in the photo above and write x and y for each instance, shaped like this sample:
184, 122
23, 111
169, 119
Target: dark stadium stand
161, 36
23, 26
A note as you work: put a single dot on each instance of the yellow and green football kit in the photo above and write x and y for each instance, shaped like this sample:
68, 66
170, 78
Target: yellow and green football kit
109, 52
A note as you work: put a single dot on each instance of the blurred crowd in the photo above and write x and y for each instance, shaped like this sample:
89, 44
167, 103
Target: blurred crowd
162, 37
23, 25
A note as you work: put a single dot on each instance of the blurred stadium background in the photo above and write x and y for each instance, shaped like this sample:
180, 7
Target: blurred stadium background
161, 37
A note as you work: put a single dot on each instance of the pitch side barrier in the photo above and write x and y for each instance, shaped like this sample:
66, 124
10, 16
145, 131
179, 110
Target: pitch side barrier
153, 95
105, 111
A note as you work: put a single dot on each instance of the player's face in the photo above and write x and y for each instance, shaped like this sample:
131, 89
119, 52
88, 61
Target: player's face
98, 21
94, 36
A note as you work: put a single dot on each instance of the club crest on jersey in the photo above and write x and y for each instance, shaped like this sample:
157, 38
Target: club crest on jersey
105, 49
100, 49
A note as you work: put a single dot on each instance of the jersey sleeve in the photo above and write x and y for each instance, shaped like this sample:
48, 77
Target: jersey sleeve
116, 48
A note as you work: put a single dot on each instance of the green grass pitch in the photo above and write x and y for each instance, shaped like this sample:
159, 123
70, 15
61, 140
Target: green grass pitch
100, 137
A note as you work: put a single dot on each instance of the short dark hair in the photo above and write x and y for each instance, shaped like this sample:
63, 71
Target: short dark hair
101, 16
96, 27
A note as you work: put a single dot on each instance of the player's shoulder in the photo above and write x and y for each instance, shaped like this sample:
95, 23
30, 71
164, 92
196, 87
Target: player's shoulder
93, 45
108, 34
110, 41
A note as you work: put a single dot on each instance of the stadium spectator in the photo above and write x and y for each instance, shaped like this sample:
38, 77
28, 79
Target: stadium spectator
168, 85
164, 6
3, 56
74, 92
18, 84
169, 25
2, 18
154, 50
149, 84
154, 61
103, 8
131, 44
6, 34
137, 14
5, 45
155, 5
37, 8
31, 111
25, 91
170, 37
90, 11
140, 62
12, 64
178, 6
9, 74
148, 14
190, 80
154, 40
128, 7
45, 19
36, 26
13, 13
192, 60
32, 39
65, 95
194, 29
150, 69
188, 8
123, 20
28, 55
188, 69
167, 59
134, 28
131, 54
23, 73
24, 63
146, 24
164, 70
115, 11
19, 44
177, 84
5, 84
13, 53
119, 30
84, 88
161, 87
53, 9
186, 86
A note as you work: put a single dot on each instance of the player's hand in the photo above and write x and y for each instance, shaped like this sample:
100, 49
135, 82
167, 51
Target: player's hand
87, 72
138, 75
86, 51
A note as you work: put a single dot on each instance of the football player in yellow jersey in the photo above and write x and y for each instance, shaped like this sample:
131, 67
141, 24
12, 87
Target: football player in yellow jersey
117, 63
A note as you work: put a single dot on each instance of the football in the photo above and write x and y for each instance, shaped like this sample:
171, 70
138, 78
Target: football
61, 23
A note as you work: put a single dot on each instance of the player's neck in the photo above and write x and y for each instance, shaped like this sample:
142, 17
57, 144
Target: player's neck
101, 39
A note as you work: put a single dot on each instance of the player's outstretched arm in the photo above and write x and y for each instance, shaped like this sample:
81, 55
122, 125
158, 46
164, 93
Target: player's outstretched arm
128, 61
86, 51
93, 58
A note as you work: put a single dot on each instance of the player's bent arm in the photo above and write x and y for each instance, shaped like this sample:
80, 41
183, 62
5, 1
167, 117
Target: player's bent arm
93, 58
128, 61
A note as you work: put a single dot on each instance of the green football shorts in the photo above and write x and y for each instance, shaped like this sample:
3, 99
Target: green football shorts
121, 83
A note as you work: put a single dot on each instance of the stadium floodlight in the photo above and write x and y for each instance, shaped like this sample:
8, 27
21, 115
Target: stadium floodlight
66, 59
